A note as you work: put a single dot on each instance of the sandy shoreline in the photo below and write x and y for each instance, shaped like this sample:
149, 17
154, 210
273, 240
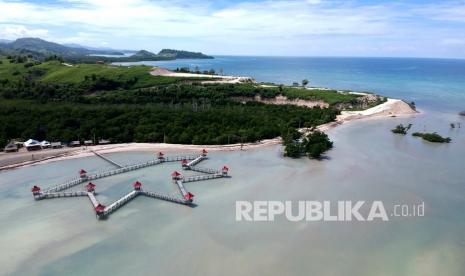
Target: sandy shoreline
158, 71
391, 108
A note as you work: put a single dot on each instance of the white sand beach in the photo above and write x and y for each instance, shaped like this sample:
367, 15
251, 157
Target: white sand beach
158, 71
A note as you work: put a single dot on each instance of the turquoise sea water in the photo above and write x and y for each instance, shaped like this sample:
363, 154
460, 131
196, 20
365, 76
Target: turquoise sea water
368, 162
434, 84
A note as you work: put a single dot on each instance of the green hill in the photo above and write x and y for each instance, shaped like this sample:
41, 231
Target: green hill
178, 54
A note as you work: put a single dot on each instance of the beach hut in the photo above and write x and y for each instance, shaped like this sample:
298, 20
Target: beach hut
104, 142
56, 145
32, 145
45, 144
75, 144
137, 185
175, 175
225, 170
35, 190
90, 187
11, 148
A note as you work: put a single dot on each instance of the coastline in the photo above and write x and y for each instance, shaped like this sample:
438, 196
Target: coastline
390, 108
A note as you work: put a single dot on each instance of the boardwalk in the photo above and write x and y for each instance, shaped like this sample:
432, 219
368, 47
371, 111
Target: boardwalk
107, 159
201, 177
102, 211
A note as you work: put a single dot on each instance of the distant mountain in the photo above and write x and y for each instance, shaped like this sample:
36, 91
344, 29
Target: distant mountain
3, 41
179, 54
45, 47
41, 49
99, 50
143, 54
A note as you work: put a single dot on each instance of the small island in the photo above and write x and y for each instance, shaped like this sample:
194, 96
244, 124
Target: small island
432, 137
401, 129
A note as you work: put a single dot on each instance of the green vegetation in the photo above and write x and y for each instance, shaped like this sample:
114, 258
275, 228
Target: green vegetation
331, 97
313, 145
401, 129
41, 50
432, 137
188, 123
178, 54
57, 102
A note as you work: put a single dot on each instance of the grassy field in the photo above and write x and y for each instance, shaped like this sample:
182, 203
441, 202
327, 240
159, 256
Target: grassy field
11, 71
56, 72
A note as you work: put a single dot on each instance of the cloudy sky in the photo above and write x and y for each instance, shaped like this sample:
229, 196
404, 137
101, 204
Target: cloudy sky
256, 27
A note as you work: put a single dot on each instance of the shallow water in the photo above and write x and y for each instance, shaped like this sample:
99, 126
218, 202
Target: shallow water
368, 162
51, 237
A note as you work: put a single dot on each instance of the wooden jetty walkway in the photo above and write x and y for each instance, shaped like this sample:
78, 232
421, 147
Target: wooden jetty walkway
107, 159
104, 211
85, 177
202, 177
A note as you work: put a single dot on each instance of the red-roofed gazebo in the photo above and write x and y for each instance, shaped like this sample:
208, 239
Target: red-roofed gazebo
82, 173
204, 152
225, 170
90, 187
99, 209
137, 185
175, 175
189, 196
184, 163
161, 155
35, 190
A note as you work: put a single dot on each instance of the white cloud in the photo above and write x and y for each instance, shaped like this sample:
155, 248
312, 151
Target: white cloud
15, 31
266, 27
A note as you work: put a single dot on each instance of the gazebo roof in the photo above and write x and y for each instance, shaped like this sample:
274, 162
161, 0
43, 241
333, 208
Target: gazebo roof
189, 196
90, 185
225, 168
137, 184
82, 171
204, 151
35, 189
100, 208
175, 173
184, 161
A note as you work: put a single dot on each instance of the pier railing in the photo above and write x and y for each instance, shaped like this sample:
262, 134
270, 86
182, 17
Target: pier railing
164, 197
201, 177
120, 202
63, 194
197, 160
204, 170
128, 168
